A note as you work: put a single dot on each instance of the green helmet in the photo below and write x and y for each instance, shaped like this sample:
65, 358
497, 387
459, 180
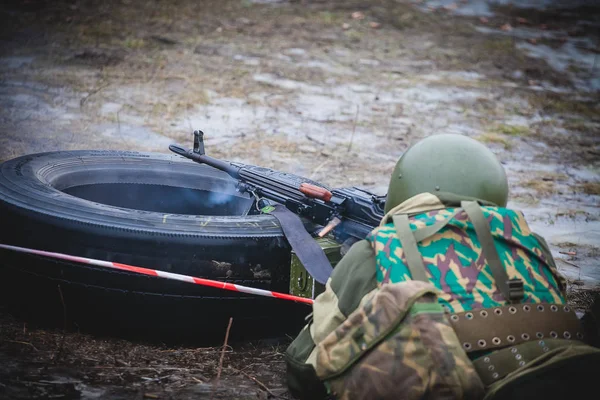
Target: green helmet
448, 163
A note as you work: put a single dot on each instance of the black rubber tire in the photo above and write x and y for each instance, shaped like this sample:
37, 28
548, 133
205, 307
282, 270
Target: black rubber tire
37, 212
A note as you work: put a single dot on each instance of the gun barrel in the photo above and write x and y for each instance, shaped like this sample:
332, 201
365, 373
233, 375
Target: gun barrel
224, 166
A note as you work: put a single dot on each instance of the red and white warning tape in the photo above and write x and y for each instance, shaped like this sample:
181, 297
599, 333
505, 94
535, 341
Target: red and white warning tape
161, 274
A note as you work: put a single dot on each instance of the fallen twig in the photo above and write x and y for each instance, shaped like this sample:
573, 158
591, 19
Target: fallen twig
221, 359
206, 350
90, 94
312, 139
568, 262
319, 167
122, 363
56, 358
259, 383
18, 341
353, 128
569, 253
158, 379
156, 369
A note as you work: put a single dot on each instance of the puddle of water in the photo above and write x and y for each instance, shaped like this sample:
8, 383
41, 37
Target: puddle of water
227, 117
268, 1
59, 379
522, 33
248, 60
272, 80
338, 70
26, 105
140, 135
484, 8
336, 115
322, 108
110, 108
559, 231
562, 219
15, 62
472, 8
569, 56
369, 62
576, 57
429, 97
88, 392
442, 76
295, 52
357, 116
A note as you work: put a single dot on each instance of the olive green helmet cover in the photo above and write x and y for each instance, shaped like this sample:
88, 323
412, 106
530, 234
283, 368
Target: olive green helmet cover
448, 163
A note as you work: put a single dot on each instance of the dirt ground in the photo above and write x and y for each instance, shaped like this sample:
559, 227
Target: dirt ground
332, 90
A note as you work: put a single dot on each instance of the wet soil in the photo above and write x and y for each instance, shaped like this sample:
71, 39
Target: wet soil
43, 364
332, 90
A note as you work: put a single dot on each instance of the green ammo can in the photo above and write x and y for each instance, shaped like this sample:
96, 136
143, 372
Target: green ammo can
301, 283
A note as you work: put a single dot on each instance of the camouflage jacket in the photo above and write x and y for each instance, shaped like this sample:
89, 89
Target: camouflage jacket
453, 263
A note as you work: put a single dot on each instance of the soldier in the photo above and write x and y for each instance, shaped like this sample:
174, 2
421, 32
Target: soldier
451, 296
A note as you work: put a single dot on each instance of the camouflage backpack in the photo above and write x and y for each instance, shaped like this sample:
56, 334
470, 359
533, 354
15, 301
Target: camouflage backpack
401, 343
397, 344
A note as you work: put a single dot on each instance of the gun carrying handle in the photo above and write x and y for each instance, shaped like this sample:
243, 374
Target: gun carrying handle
315, 192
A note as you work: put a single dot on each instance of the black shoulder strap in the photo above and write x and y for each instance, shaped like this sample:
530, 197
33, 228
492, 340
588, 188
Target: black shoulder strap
310, 254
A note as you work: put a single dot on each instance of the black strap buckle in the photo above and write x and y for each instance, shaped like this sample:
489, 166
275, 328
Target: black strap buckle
515, 290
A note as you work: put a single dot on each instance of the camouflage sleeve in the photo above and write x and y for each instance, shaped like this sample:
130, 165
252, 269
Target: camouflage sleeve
352, 278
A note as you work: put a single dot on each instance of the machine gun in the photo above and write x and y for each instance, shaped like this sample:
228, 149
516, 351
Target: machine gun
351, 213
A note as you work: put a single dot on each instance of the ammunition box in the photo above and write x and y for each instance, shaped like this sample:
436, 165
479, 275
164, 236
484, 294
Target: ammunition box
301, 283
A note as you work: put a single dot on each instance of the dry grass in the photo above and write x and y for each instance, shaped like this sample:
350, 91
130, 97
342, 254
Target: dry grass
581, 299
171, 372
513, 130
495, 138
542, 187
526, 198
580, 125
591, 188
560, 104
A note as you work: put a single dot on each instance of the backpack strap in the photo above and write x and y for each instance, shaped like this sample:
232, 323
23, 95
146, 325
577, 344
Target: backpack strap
414, 261
512, 289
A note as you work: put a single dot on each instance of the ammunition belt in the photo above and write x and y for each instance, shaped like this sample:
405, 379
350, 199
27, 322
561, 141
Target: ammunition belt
493, 328
516, 334
498, 364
